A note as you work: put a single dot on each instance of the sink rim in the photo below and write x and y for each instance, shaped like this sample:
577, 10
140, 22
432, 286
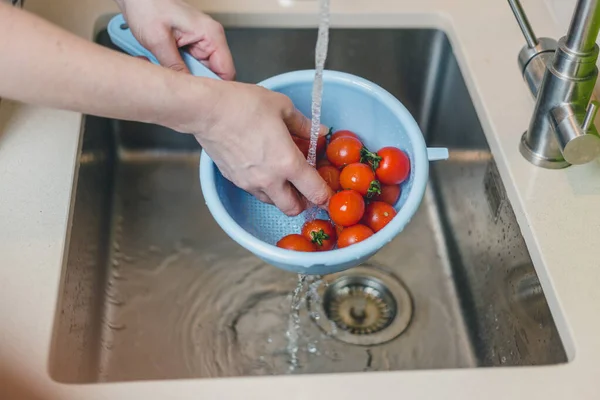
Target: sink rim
470, 99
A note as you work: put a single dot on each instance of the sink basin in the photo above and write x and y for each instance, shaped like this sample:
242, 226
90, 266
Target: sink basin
153, 289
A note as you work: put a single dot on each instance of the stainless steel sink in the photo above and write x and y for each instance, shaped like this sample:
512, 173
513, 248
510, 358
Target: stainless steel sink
153, 289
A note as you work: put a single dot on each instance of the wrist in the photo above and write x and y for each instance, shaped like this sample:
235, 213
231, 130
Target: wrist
191, 103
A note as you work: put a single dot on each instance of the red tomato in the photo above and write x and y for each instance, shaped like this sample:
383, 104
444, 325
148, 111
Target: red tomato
393, 167
296, 242
346, 207
322, 162
353, 234
304, 144
343, 133
331, 175
378, 214
321, 233
338, 229
389, 194
344, 150
359, 177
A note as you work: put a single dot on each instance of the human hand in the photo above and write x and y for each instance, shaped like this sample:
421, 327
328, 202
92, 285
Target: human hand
246, 131
244, 128
163, 26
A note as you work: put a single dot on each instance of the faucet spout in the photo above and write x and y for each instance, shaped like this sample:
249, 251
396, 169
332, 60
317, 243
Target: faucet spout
585, 24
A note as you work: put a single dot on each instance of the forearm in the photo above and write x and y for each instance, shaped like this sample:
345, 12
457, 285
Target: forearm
43, 64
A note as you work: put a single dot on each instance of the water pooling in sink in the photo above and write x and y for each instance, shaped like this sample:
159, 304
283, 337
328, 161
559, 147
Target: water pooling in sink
214, 335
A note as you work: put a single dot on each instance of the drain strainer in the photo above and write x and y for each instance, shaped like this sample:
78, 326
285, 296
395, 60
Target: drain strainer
363, 306
358, 308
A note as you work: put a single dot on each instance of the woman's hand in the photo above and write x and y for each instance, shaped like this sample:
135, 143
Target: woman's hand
247, 131
163, 26
247, 134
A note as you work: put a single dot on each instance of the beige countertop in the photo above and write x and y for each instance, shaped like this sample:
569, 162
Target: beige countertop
558, 212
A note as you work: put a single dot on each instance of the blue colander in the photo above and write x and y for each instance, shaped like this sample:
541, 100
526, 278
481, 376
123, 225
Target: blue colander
349, 102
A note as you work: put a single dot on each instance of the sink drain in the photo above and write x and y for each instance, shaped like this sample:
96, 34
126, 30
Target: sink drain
363, 306
357, 307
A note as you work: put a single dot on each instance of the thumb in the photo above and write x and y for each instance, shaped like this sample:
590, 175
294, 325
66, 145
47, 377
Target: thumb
164, 48
300, 125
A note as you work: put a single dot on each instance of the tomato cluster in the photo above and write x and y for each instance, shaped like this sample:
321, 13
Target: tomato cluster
367, 185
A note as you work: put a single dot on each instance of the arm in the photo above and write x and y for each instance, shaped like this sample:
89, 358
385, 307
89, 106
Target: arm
43, 64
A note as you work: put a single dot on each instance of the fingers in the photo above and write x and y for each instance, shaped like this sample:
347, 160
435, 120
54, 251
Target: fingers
311, 185
221, 60
261, 195
303, 183
164, 47
213, 50
300, 125
285, 197
221, 63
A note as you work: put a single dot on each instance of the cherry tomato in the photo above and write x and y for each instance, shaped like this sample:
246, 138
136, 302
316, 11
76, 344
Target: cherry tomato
323, 162
331, 175
343, 133
346, 208
304, 145
353, 234
378, 214
344, 150
389, 194
359, 177
296, 242
321, 233
393, 166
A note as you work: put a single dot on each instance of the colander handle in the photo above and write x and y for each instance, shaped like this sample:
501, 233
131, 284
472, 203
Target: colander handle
121, 36
437, 153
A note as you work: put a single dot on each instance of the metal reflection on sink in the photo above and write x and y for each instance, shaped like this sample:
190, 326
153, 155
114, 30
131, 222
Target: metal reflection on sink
153, 289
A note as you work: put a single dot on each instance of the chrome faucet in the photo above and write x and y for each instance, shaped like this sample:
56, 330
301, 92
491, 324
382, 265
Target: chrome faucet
561, 76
